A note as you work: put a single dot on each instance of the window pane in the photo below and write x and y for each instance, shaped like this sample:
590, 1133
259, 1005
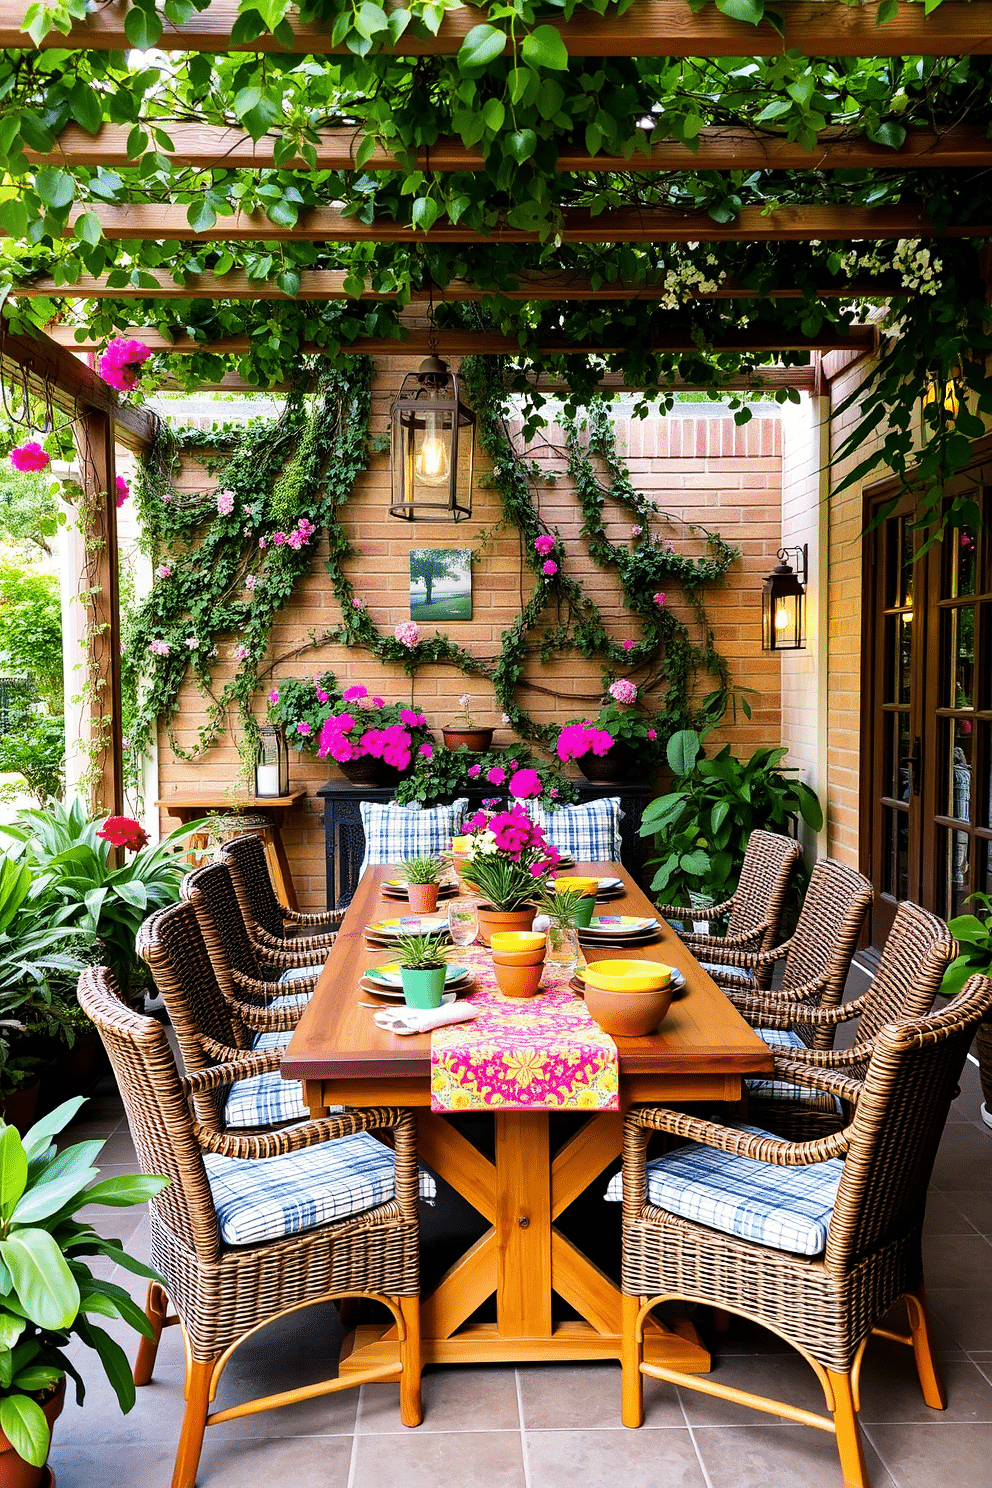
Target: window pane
958, 661
906, 596
896, 780
895, 864
959, 793
905, 657
957, 870
963, 551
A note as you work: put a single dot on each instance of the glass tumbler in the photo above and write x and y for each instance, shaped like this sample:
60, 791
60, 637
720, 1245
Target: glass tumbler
463, 921
563, 948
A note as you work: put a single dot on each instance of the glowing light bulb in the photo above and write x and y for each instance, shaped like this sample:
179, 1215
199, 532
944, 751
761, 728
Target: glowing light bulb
781, 618
431, 463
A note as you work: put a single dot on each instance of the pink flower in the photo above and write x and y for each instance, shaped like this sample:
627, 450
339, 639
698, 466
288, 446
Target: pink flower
303, 728
163, 571
627, 645
966, 725
553, 793
30, 456
636, 531
225, 503
623, 691
550, 568
158, 648
262, 543
544, 544
323, 697
250, 582
354, 693
239, 653
123, 490
409, 717
358, 604
496, 776
120, 365
274, 696
426, 751
474, 771
295, 539
278, 538
125, 742
659, 599
525, 783
602, 742
378, 702
408, 634
652, 734
124, 831
193, 643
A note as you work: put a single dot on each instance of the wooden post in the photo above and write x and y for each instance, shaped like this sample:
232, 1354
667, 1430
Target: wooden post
95, 443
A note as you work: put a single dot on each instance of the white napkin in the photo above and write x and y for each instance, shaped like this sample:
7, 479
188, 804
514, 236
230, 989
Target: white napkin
541, 923
422, 1020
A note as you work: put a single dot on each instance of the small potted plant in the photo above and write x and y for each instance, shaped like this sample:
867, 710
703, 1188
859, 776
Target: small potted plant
467, 735
51, 1294
569, 901
618, 743
423, 883
506, 858
422, 961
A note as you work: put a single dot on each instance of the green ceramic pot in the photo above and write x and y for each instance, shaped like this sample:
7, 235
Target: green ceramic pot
422, 988
583, 915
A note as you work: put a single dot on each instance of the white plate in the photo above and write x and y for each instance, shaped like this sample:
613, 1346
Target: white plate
609, 883
618, 925
391, 976
407, 925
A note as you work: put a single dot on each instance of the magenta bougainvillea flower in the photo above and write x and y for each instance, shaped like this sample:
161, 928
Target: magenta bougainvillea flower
550, 569
121, 363
524, 784
544, 544
123, 490
30, 456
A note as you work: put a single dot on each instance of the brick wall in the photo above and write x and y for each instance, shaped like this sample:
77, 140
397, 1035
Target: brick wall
696, 463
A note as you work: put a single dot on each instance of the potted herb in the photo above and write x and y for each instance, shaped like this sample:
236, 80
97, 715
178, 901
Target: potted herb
618, 743
373, 742
467, 735
423, 882
974, 936
422, 961
51, 1295
569, 901
507, 857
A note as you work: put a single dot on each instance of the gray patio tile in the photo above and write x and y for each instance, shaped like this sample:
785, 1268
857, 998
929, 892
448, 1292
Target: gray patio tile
119, 1150
933, 1456
475, 1397
975, 1205
966, 1314
303, 1459
964, 1159
93, 1466
944, 1217
784, 1455
637, 1459
438, 1459
890, 1389
568, 1397
964, 1260
784, 1377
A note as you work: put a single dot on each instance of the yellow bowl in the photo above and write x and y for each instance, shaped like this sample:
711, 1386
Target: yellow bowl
459, 844
628, 976
585, 886
516, 940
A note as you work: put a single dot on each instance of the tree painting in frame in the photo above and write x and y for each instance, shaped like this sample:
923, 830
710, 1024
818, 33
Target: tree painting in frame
440, 584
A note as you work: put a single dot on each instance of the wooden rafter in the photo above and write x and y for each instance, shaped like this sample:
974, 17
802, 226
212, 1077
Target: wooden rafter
422, 343
206, 146
650, 28
52, 371
769, 379
328, 284
797, 224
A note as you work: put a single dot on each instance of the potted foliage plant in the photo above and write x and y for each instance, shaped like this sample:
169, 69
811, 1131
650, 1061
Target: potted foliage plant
702, 826
423, 883
974, 936
443, 774
50, 1293
373, 742
507, 858
467, 735
422, 961
616, 745
569, 901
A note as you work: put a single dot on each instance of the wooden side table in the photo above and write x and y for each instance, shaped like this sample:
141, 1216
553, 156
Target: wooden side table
192, 806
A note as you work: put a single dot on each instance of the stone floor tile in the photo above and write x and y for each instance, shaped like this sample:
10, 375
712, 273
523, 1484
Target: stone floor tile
474, 1397
322, 1461
966, 1260
567, 1397
975, 1205
944, 1217
636, 1459
964, 1313
439, 1459
78, 1465
964, 1159
939, 1456
890, 1389
778, 1456
785, 1377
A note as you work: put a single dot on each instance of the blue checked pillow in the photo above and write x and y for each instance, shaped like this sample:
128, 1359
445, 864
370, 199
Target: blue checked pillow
784, 1090
395, 833
785, 1208
591, 833
301, 973
265, 1100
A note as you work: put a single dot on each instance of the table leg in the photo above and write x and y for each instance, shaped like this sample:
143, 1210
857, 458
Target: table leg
282, 877
523, 1225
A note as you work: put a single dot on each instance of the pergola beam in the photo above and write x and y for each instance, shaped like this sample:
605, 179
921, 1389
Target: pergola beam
52, 371
797, 224
650, 28
210, 146
328, 285
423, 342
770, 379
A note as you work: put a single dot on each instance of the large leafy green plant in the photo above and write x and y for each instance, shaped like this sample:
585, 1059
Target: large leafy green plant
974, 937
47, 1291
33, 955
701, 828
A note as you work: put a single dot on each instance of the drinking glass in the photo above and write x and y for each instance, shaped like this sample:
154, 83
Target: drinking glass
563, 947
463, 922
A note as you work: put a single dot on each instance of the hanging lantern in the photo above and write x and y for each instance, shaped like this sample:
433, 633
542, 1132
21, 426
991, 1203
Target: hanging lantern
432, 447
949, 398
272, 762
783, 604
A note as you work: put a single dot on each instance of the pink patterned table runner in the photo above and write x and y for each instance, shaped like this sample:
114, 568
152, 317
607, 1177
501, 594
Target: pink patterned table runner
541, 1053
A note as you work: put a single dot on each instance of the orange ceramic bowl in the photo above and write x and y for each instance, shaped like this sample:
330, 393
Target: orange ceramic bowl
628, 1014
518, 981
521, 958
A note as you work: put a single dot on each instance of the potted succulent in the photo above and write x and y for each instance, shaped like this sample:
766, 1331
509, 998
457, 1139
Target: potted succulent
974, 936
51, 1295
423, 883
507, 858
373, 742
618, 743
422, 961
467, 735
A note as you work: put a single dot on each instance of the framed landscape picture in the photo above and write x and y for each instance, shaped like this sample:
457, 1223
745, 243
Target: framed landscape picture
440, 584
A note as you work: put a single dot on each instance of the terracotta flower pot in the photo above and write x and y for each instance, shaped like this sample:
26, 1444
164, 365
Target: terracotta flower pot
617, 765
491, 919
476, 740
422, 897
628, 1014
367, 770
518, 981
14, 1471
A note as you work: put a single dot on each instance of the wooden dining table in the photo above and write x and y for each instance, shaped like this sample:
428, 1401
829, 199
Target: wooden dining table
701, 1052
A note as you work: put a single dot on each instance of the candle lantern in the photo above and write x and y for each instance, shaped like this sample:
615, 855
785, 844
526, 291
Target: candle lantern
432, 447
783, 604
272, 762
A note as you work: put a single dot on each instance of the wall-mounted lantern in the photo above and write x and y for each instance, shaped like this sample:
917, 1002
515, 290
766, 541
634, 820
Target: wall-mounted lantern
432, 447
272, 762
948, 398
783, 603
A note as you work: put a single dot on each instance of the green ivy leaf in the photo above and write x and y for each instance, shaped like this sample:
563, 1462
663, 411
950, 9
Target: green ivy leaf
545, 48
143, 28
88, 229
482, 45
425, 213
55, 187
200, 215
86, 108
521, 144
752, 11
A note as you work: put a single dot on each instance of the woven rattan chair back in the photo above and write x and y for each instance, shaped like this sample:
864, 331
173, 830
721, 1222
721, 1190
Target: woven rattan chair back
822, 945
158, 1113
910, 1083
769, 863
918, 950
210, 890
245, 856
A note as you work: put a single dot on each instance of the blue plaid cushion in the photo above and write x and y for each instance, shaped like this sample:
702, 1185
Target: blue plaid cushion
591, 833
736, 973
784, 1090
785, 1208
265, 1100
301, 973
395, 833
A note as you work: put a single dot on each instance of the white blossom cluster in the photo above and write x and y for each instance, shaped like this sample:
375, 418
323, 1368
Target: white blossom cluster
916, 264
679, 281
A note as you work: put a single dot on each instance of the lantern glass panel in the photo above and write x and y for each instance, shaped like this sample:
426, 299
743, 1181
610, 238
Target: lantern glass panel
271, 763
431, 453
782, 617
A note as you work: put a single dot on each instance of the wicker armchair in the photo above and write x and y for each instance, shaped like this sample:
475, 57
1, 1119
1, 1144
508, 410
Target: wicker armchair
825, 1301
754, 911
817, 955
214, 1030
237, 961
918, 950
265, 917
224, 1290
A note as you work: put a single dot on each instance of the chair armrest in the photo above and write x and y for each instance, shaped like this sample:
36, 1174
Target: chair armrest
742, 1144
749, 960
224, 1052
831, 1083
725, 942
686, 912
319, 917
782, 1009
264, 940
257, 1062
269, 990
828, 1059
267, 1019
282, 959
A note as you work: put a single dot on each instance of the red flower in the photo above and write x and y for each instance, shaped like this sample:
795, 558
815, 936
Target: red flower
124, 831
